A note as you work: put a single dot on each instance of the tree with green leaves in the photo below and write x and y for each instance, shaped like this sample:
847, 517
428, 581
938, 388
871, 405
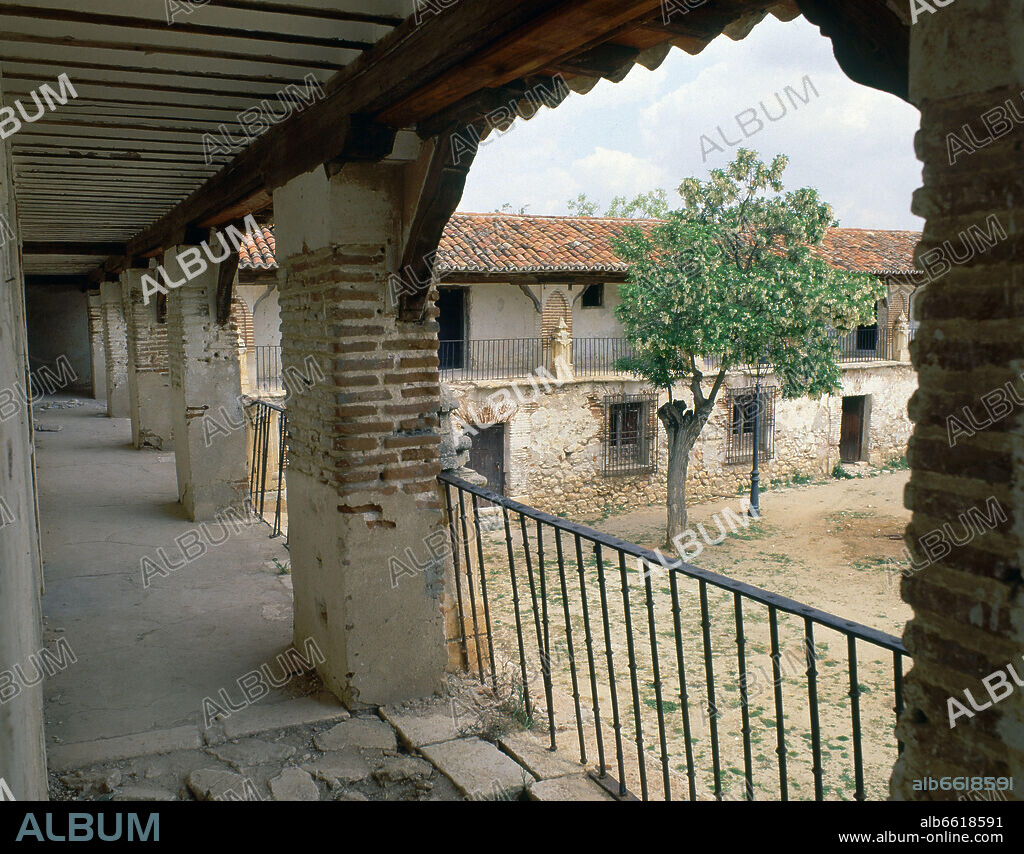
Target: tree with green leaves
732, 275
652, 205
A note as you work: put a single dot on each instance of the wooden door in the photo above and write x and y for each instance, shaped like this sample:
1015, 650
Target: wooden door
851, 431
487, 456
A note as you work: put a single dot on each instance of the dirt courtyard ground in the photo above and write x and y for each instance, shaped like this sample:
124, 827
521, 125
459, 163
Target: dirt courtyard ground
828, 545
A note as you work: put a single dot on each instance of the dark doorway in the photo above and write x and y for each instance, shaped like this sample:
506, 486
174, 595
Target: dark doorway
487, 456
451, 302
867, 337
851, 431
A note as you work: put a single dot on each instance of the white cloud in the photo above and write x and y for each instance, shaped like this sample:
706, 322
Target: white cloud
854, 144
618, 172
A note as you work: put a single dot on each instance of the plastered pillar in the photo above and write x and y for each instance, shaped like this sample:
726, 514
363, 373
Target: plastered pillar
149, 384
205, 394
115, 349
967, 68
96, 347
364, 443
22, 745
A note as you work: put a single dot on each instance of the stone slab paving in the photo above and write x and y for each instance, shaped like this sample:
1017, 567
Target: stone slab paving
61, 756
265, 717
294, 784
365, 732
252, 751
436, 749
479, 770
575, 787
338, 767
213, 784
531, 752
419, 727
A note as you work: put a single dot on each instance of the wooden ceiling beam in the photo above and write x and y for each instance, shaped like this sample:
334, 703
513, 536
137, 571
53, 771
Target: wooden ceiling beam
159, 25
53, 247
192, 52
557, 33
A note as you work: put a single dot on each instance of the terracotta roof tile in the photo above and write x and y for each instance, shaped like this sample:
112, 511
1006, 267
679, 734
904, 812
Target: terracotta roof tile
257, 252
507, 243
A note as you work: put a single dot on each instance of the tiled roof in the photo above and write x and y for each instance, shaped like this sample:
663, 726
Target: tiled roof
506, 243
492, 244
257, 252
866, 250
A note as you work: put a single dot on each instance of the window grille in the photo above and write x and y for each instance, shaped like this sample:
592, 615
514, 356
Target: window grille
743, 410
630, 434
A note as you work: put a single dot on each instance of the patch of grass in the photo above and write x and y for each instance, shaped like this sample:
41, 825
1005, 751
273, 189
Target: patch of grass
839, 473
283, 568
898, 464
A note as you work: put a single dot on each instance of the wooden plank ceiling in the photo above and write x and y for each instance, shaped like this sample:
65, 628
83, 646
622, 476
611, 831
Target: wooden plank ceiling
120, 171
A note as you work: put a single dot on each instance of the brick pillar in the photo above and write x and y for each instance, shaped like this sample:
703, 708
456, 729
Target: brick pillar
205, 394
364, 444
96, 347
968, 609
115, 349
148, 376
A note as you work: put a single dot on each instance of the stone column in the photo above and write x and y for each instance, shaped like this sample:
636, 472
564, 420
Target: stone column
362, 489
561, 352
901, 339
115, 349
966, 68
149, 384
96, 347
205, 393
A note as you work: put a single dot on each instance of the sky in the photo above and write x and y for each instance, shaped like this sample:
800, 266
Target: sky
855, 145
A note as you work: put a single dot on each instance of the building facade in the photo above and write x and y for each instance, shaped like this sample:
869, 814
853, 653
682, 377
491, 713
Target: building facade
576, 436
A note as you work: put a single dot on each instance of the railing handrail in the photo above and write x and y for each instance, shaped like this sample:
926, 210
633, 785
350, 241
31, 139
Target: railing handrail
782, 603
249, 400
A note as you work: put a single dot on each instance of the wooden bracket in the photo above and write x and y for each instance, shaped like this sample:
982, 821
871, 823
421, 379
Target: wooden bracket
533, 297
366, 141
226, 273
454, 152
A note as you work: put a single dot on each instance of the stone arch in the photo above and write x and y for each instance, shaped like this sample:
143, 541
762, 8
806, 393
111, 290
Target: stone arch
556, 307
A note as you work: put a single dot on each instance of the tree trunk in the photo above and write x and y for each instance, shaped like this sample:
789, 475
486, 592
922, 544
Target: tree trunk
676, 420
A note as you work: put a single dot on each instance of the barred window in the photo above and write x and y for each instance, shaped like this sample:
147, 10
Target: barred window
630, 434
743, 410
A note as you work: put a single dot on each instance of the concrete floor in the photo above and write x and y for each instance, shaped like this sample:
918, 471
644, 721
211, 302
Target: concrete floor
146, 657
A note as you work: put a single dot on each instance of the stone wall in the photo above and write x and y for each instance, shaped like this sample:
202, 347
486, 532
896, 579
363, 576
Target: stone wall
58, 329
555, 453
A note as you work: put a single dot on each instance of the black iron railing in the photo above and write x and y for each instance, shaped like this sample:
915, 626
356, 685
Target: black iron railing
491, 359
268, 461
595, 356
629, 651
268, 369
